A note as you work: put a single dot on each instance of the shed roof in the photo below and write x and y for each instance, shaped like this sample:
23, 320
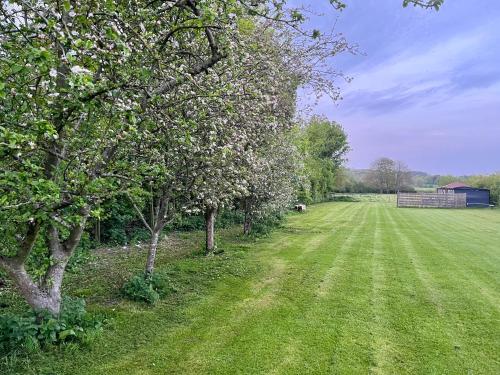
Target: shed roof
456, 185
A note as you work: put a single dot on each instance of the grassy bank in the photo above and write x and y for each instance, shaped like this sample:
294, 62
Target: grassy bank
345, 288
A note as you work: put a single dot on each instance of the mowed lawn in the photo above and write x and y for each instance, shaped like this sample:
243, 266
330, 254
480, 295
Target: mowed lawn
346, 288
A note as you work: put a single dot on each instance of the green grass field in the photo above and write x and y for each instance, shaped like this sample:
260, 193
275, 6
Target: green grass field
346, 288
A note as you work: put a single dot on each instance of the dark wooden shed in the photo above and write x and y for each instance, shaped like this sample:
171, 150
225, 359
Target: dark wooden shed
475, 197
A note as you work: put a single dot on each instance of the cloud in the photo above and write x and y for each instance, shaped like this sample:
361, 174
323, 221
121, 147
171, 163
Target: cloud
419, 76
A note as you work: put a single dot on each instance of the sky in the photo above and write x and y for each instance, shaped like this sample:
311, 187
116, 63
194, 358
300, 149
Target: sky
426, 84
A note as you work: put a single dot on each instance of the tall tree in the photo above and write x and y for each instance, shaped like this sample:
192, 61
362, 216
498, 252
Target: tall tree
387, 175
382, 175
275, 179
324, 146
403, 178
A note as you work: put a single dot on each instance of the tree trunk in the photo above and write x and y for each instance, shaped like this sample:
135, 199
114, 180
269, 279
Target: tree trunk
160, 217
153, 246
46, 295
97, 233
210, 225
247, 224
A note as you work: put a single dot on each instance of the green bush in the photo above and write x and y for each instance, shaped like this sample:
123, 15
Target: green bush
140, 289
31, 331
120, 224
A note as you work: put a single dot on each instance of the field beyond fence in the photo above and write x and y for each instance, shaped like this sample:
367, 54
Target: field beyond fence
432, 200
362, 197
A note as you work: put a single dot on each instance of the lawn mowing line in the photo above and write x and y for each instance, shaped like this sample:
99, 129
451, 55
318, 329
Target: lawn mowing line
287, 359
328, 325
315, 217
480, 286
397, 285
461, 237
304, 311
432, 338
382, 347
469, 222
310, 314
339, 259
425, 278
455, 236
350, 309
288, 282
277, 245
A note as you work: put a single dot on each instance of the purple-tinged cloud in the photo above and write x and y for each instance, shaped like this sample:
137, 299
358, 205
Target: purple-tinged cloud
427, 88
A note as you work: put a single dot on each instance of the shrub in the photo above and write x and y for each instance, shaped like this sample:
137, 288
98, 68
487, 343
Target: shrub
138, 288
37, 329
162, 284
228, 218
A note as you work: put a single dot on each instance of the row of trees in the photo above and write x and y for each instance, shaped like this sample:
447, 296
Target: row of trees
384, 176
179, 105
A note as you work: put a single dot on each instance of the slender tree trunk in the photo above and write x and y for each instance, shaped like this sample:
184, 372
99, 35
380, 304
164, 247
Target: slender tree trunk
97, 232
159, 219
210, 229
153, 246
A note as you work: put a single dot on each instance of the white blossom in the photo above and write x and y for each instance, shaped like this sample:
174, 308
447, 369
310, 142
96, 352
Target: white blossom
79, 70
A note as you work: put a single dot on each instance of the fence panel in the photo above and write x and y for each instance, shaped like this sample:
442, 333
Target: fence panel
432, 200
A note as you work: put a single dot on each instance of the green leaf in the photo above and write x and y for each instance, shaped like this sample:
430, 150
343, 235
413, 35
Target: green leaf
64, 334
17, 68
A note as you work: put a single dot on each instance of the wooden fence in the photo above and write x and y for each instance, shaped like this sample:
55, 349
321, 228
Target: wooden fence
432, 200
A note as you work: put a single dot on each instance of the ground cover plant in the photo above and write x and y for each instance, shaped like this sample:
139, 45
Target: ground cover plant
348, 287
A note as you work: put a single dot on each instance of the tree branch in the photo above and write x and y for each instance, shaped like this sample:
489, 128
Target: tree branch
28, 242
76, 233
141, 216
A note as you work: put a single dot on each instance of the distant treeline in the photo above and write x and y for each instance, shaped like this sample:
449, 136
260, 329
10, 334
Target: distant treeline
382, 177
